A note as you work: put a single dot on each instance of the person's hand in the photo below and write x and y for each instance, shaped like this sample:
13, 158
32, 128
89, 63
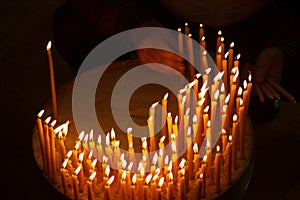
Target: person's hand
267, 71
167, 58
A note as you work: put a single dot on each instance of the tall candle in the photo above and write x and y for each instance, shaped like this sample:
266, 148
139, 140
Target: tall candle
132, 187
225, 69
219, 58
90, 186
75, 184
230, 56
242, 129
203, 44
42, 139
203, 171
181, 185
218, 42
234, 141
186, 29
159, 188
199, 186
170, 187
191, 56
222, 47
63, 173
52, 81
196, 160
236, 61
123, 186
228, 161
180, 41
169, 123
201, 31
218, 170
53, 152
164, 115
151, 134
107, 188
62, 146
48, 148
146, 187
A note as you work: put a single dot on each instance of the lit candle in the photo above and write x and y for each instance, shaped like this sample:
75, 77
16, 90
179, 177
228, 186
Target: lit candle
99, 148
146, 187
123, 186
169, 123
205, 119
222, 47
224, 140
90, 186
248, 94
203, 171
204, 62
53, 151
196, 84
52, 81
236, 61
129, 135
199, 186
159, 188
80, 172
164, 114
225, 69
62, 147
228, 161
196, 160
186, 29
132, 187
175, 126
218, 41
190, 155
203, 43
238, 99
75, 184
242, 129
140, 180
107, 188
41, 136
64, 173
151, 134
48, 148
186, 120
230, 56
218, 170
170, 186
234, 141
191, 56
201, 31
180, 41
219, 58
181, 185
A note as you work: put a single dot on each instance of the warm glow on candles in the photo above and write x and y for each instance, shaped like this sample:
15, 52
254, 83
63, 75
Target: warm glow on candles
110, 180
161, 182
148, 179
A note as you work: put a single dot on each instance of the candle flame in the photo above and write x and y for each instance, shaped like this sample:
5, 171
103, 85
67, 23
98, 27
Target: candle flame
154, 104
133, 181
208, 124
169, 114
241, 102
234, 117
198, 75
166, 96
81, 135
219, 33
223, 87
208, 144
187, 111
195, 119
107, 139
107, 171
195, 148
80, 157
62, 127
189, 131
216, 96
238, 56
167, 160
183, 99
240, 91
39, 115
189, 35
129, 167
208, 70
144, 143
223, 131
161, 182
49, 46
112, 134
201, 25
204, 52
92, 176
182, 163
220, 49
162, 139
47, 120
170, 176
124, 163
123, 176
77, 170
224, 108
173, 146
104, 159
230, 138
176, 119
218, 148
69, 154
86, 138
231, 44
201, 102
53, 123
205, 158
182, 170
77, 145
90, 154
227, 98
172, 136
222, 39
226, 55
192, 84
155, 158
250, 77
186, 24
206, 109
179, 29
91, 135
64, 164
148, 178
93, 164
130, 144
110, 180
201, 176
170, 166
245, 84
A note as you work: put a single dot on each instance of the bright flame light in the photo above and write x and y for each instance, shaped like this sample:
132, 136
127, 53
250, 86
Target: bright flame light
49, 46
39, 115
110, 180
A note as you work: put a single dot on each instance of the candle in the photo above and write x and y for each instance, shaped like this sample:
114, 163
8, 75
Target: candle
107, 188
205, 119
80, 175
186, 29
146, 187
52, 81
230, 56
170, 187
181, 185
42, 139
132, 187
219, 58
234, 141
90, 186
222, 47
218, 170
48, 148
199, 186
228, 161
140, 180
204, 62
236, 61
164, 113
186, 120
203, 44
201, 31
53, 151
191, 56
190, 155
238, 99
159, 188
75, 184
123, 186
224, 140
218, 42
175, 126
180, 41
242, 129
63, 173
99, 148
233, 89
169, 123
225, 69
196, 160
203, 171
247, 96
62, 145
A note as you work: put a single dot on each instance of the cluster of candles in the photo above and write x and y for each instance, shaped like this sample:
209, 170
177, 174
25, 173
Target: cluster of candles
85, 170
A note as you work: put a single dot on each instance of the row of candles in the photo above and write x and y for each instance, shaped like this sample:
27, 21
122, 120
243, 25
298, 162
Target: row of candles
194, 162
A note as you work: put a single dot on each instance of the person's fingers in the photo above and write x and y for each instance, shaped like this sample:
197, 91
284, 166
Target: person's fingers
266, 91
272, 90
258, 91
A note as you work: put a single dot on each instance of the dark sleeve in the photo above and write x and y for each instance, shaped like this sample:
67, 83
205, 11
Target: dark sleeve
113, 16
